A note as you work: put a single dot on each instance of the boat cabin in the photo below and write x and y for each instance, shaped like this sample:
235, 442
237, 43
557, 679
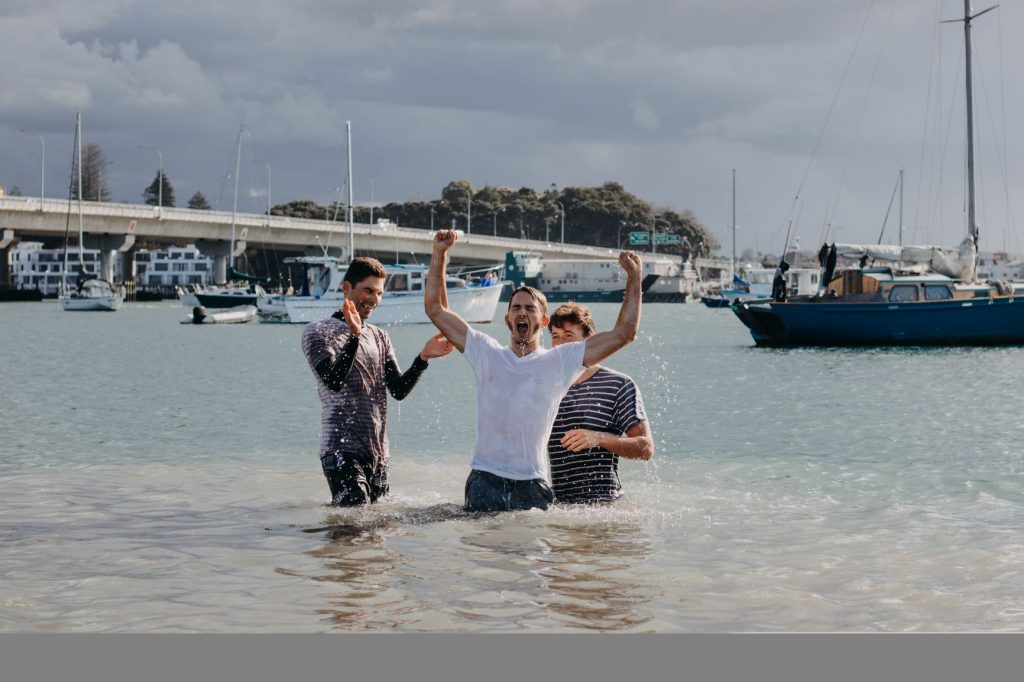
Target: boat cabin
412, 279
880, 284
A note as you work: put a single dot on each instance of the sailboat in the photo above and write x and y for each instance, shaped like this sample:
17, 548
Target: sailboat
90, 292
757, 283
723, 297
402, 302
232, 295
941, 303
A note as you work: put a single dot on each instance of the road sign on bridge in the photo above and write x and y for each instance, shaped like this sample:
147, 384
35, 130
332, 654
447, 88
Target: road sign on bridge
639, 238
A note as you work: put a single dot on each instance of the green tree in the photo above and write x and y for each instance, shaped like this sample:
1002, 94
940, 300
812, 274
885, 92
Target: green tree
94, 175
199, 202
600, 216
304, 208
153, 195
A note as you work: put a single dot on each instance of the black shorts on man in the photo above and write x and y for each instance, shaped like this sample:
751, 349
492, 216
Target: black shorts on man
355, 478
487, 492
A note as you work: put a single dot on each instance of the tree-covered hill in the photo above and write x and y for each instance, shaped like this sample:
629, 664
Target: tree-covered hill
600, 216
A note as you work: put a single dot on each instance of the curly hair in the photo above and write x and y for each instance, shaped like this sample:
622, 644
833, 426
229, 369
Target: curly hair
573, 313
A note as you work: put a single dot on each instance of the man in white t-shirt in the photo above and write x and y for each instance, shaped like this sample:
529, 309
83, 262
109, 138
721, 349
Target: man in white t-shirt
519, 386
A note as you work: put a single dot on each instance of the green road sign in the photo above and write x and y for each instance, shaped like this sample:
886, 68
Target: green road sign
639, 238
667, 239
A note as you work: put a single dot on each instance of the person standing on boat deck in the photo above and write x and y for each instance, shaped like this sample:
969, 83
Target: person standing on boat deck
519, 386
600, 419
355, 367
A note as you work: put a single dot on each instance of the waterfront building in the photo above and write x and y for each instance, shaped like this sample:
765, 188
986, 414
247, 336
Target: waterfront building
173, 266
34, 267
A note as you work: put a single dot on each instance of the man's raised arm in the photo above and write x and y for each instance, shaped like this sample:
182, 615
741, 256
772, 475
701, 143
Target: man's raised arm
603, 344
435, 296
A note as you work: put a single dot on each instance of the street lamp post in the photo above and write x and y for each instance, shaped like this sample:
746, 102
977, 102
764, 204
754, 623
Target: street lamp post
42, 165
561, 209
99, 182
469, 210
160, 181
496, 221
360, 175
371, 200
267, 164
431, 218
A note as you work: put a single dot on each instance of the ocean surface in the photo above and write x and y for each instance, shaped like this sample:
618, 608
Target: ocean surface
158, 477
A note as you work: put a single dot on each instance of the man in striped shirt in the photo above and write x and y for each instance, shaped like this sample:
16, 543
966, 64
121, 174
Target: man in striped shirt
600, 419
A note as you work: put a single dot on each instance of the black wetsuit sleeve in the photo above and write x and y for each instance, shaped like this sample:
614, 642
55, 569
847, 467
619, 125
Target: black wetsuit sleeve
400, 384
334, 372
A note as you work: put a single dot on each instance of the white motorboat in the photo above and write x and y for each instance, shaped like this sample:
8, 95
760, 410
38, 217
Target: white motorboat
402, 302
237, 315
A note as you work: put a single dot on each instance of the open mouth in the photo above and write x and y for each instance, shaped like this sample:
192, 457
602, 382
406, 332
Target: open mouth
522, 326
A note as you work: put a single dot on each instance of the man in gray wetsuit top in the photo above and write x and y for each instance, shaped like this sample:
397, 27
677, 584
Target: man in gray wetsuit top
355, 368
519, 385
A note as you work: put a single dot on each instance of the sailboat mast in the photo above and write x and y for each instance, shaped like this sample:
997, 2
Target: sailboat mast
234, 206
351, 233
81, 248
732, 262
901, 209
972, 226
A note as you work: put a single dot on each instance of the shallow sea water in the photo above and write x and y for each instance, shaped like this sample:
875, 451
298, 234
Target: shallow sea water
157, 477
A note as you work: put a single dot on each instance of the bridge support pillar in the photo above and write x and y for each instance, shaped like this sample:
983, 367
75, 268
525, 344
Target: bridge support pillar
128, 271
220, 252
7, 243
107, 265
109, 245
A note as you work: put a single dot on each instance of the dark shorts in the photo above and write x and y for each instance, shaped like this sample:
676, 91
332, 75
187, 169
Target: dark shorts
488, 492
355, 478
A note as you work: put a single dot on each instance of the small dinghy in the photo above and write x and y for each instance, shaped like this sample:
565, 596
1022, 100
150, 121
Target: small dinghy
237, 315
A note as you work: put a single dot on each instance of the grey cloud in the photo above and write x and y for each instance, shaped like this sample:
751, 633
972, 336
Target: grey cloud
665, 97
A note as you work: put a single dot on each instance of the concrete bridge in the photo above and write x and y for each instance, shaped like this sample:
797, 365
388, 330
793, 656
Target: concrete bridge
123, 228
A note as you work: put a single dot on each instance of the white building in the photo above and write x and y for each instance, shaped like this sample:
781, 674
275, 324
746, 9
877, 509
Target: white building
173, 266
33, 267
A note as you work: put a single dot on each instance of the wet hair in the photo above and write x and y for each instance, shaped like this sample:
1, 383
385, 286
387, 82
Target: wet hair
536, 294
362, 267
573, 313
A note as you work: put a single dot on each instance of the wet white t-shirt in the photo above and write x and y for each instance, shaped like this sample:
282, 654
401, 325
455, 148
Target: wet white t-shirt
516, 402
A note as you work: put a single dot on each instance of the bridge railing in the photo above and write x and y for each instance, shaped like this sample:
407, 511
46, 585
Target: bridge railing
339, 229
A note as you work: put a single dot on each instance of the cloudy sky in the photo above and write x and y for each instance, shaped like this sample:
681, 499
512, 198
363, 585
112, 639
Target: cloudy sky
664, 97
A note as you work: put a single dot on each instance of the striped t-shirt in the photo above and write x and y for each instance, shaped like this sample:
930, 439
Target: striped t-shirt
608, 401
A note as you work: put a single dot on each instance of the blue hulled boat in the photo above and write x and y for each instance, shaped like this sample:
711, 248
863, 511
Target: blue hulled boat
930, 297
891, 310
